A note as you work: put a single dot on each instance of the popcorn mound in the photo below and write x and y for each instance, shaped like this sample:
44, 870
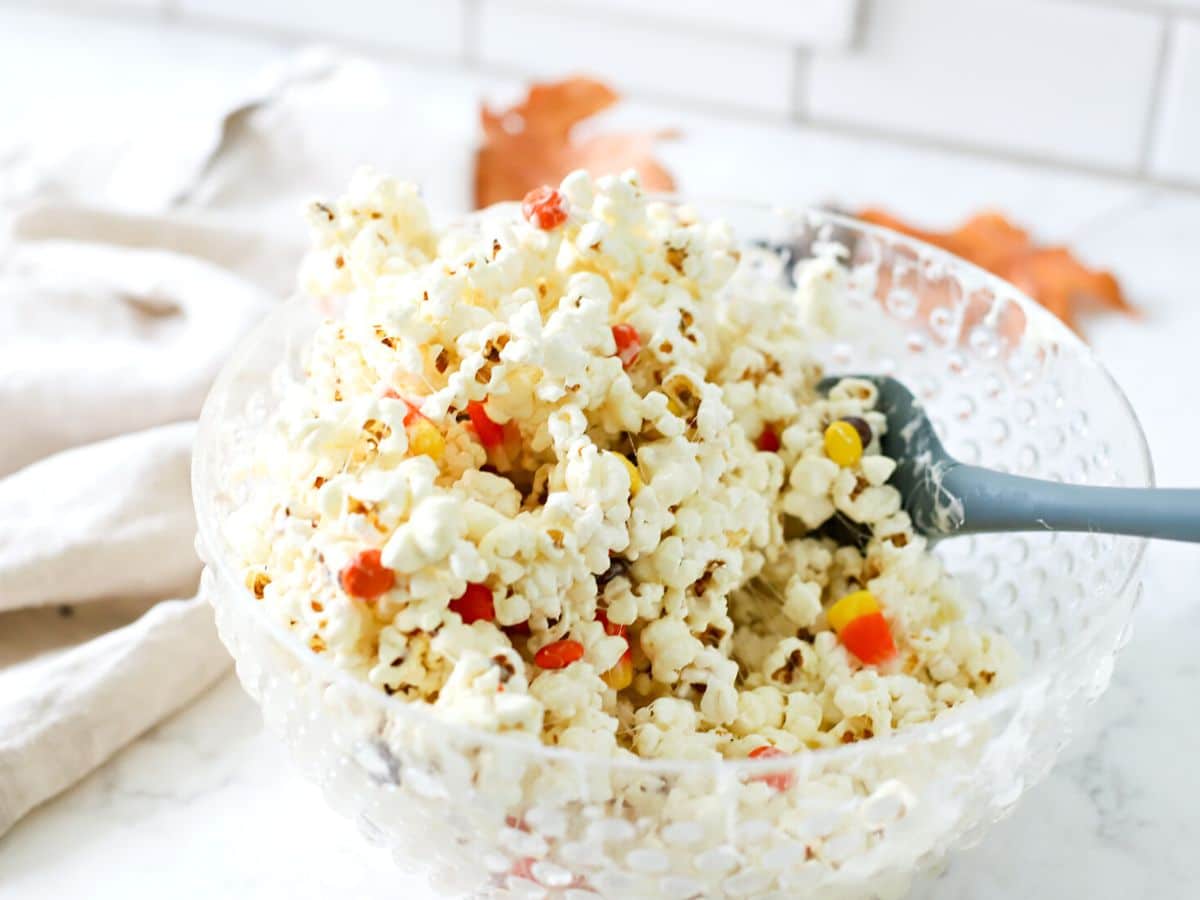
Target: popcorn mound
563, 471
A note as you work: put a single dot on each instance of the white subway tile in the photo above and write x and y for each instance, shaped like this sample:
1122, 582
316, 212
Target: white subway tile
1069, 81
430, 27
637, 57
1177, 140
814, 23
780, 163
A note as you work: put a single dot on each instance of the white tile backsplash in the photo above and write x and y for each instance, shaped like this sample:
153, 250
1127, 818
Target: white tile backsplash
435, 27
533, 40
790, 165
1176, 152
826, 24
1069, 81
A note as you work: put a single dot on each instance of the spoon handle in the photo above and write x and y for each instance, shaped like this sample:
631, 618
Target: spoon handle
994, 501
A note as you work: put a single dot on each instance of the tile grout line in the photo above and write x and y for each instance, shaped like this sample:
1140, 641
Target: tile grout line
1166, 47
798, 90
472, 44
862, 16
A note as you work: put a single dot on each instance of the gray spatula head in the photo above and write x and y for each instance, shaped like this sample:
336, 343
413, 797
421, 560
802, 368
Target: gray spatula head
944, 497
921, 461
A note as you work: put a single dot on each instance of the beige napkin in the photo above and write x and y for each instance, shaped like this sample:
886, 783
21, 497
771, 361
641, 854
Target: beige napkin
127, 274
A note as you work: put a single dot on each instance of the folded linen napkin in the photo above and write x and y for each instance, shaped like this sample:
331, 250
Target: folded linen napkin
120, 297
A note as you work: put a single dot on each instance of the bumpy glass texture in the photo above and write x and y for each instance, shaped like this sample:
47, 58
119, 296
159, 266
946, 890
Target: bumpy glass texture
1007, 386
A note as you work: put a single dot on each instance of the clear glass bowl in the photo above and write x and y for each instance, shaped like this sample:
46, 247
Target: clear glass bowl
1008, 387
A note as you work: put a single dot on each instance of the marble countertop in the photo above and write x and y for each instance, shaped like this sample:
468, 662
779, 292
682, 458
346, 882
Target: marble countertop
206, 804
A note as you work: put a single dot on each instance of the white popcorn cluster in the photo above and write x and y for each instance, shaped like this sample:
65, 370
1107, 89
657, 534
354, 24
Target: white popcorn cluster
566, 474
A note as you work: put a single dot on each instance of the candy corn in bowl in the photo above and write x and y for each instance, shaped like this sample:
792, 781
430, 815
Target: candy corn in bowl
535, 539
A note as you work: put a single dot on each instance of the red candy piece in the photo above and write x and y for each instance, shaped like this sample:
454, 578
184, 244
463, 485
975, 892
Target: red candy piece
610, 628
366, 577
629, 343
544, 208
781, 781
475, 604
523, 868
490, 433
558, 655
869, 638
768, 441
412, 414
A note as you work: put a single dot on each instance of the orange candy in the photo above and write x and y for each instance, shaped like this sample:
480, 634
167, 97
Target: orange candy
491, 434
475, 605
861, 627
559, 654
544, 208
629, 343
781, 781
366, 577
870, 639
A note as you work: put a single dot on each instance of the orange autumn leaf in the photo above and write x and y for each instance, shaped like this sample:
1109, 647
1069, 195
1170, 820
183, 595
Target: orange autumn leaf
1050, 275
531, 143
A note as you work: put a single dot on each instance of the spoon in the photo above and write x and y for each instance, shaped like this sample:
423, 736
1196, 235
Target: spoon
945, 497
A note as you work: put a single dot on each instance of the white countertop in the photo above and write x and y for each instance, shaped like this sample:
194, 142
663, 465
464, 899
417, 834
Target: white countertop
206, 805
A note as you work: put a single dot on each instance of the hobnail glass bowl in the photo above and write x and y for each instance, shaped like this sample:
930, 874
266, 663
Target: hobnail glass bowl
1008, 387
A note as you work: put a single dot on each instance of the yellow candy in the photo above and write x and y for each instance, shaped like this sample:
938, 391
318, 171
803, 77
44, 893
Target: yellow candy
620, 676
635, 477
424, 439
843, 444
851, 607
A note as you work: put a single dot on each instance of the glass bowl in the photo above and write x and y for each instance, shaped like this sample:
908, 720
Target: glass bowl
1007, 385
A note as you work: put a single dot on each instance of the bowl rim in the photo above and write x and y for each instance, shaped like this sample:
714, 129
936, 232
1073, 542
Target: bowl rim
940, 727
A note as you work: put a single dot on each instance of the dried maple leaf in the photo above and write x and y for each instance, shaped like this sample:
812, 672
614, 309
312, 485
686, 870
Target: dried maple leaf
1051, 275
531, 144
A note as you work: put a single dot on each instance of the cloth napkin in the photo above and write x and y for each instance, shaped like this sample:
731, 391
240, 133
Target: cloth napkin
127, 274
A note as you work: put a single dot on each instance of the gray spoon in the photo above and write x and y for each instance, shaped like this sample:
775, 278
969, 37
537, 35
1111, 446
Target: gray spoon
945, 497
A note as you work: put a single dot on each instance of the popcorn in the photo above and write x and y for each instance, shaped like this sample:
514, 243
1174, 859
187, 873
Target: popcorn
535, 449
669, 646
